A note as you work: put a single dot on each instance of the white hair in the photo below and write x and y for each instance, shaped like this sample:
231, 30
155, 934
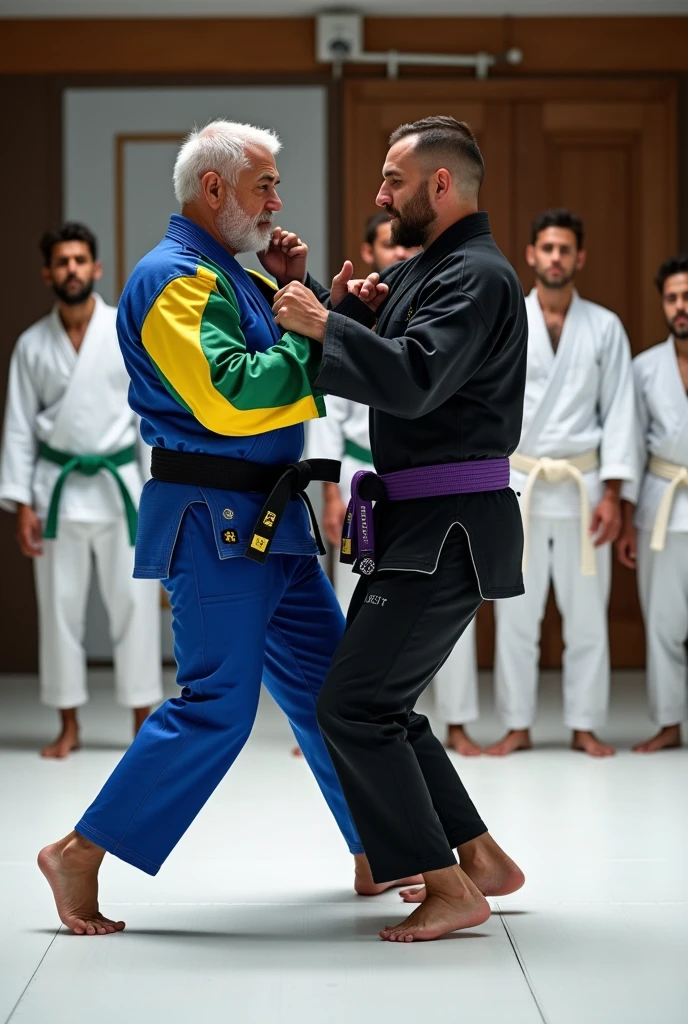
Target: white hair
220, 146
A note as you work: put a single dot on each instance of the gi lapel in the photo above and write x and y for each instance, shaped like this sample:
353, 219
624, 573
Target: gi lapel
671, 389
88, 364
403, 288
405, 285
540, 347
196, 238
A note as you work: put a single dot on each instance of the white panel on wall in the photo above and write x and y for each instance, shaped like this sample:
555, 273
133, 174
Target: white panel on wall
95, 118
119, 148
147, 185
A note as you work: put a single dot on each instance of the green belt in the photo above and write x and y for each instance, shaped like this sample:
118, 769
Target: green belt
89, 465
355, 451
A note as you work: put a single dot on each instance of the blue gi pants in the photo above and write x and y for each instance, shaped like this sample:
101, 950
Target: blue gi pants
235, 623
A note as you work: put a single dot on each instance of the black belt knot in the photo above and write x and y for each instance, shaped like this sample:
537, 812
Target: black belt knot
294, 479
300, 474
282, 482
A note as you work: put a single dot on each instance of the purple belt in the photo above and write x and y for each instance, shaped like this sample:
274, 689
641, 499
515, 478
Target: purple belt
358, 537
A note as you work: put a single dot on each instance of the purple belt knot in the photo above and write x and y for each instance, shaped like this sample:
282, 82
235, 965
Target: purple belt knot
358, 536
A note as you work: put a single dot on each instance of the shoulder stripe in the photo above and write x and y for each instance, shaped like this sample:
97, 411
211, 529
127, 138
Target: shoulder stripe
171, 335
261, 277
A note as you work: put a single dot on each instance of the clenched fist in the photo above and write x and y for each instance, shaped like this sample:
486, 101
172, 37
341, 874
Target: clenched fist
295, 308
285, 257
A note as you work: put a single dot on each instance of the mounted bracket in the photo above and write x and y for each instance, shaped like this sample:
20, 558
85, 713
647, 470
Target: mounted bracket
339, 41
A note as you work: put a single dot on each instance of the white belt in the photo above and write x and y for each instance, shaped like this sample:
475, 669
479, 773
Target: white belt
554, 471
678, 475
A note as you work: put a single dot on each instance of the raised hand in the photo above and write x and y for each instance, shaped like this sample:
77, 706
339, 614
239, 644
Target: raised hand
370, 291
340, 283
285, 257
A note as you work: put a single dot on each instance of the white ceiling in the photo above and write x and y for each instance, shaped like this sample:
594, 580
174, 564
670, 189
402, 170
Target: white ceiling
283, 8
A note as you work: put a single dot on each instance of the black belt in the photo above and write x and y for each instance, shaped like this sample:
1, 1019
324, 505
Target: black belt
281, 483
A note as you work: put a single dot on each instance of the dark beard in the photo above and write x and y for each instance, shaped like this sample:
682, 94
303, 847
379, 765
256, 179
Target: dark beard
562, 282
74, 298
412, 227
680, 333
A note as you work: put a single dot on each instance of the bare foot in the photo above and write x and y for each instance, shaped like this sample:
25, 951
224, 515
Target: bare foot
589, 744
68, 740
459, 740
490, 869
515, 739
666, 739
71, 868
452, 902
363, 879
140, 716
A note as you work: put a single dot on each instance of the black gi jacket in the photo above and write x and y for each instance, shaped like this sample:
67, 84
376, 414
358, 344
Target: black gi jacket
444, 374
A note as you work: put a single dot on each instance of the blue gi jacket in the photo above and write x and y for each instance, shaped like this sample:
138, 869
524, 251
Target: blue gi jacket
210, 372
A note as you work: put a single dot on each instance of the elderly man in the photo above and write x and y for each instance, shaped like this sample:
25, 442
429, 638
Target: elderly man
444, 373
222, 396
72, 470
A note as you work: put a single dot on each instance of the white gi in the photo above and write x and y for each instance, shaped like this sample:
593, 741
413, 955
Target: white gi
77, 403
577, 402
456, 683
662, 432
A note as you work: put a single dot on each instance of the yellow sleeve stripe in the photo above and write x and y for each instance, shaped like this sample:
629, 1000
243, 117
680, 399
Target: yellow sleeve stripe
171, 334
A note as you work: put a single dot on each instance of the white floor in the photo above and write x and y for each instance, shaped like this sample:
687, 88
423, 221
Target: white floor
252, 920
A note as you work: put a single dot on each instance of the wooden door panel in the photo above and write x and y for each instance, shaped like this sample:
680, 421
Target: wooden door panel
615, 165
607, 149
611, 164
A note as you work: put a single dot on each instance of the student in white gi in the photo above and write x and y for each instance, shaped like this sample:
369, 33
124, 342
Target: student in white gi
576, 449
70, 471
656, 510
344, 434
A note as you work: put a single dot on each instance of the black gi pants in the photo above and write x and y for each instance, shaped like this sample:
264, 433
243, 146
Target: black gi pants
407, 801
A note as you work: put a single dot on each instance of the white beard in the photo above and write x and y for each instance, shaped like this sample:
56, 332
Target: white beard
241, 232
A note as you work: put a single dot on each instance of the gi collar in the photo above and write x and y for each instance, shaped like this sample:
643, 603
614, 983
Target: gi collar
193, 236
453, 238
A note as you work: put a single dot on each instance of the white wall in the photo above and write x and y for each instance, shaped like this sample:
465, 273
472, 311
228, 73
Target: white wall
93, 118
93, 121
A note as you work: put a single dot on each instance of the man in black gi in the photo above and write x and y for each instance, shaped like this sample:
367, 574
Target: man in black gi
444, 373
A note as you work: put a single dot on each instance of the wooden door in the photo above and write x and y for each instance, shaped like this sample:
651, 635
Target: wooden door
606, 149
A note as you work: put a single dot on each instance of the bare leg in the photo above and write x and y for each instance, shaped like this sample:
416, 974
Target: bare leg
363, 879
459, 740
490, 869
452, 902
588, 743
515, 739
68, 740
667, 738
71, 868
140, 716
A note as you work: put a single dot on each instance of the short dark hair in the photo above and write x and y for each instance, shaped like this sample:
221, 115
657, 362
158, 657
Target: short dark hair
558, 217
674, 265
71, 231
373, 223
443, 137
